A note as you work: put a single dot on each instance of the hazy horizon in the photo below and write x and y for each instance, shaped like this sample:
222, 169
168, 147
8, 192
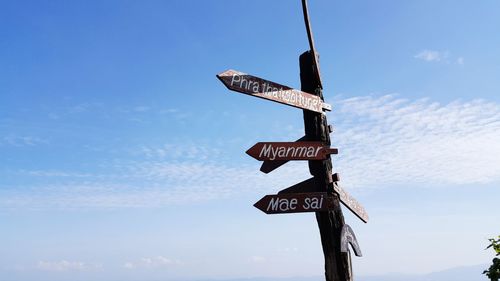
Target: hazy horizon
123, 156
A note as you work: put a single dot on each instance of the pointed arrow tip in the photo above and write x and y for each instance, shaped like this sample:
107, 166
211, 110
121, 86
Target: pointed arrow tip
260, 205
224, 75
252, 151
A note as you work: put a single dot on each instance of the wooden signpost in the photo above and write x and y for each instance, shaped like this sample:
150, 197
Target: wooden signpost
305, 150
322, 193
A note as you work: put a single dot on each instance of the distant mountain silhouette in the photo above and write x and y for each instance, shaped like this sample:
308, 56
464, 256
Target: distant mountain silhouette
464, 273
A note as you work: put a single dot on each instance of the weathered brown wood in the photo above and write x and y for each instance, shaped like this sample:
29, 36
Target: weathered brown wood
302, 187
295, 203
352, 204
335, 177
310, 186
305, 12
269, 166
347, 237
258, 87
330, 223
305, 150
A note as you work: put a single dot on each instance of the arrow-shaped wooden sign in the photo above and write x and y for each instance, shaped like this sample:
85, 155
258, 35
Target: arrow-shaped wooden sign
351, 203
306, 150
346, 199
258, 87
295, 203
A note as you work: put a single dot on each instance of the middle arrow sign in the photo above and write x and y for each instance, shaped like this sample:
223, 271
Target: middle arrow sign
276, 151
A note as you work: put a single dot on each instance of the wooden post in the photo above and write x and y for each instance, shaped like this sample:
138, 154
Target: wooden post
330, 223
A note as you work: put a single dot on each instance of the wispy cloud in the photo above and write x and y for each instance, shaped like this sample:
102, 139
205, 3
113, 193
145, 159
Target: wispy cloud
53, 173
188, 150
384, 142
85, 107
438, 56
139, 112
146, 184
64, 265
152, 262
21, 141
387, 140
430, 55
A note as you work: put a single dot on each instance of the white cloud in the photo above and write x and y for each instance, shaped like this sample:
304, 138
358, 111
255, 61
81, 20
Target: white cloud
149, 184
383, 141
387, 140
184, 151
438, 56
21, 141
53, 173
430, 55
152, 262
84, 107
61, 266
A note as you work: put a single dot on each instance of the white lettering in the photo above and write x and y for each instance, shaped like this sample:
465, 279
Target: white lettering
266, 151
234, 79
273, 205
307, 202
255, 88
310, 151
281, 151
315, 203
274, 152
317, 151
300, 151
244, 82
284, 206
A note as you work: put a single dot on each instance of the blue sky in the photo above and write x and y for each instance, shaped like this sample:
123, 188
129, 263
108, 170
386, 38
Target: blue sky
122, 156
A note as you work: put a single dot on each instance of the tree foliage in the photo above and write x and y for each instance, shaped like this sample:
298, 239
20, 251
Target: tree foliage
493, 272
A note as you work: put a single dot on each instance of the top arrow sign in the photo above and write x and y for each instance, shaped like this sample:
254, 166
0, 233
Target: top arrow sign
258, 87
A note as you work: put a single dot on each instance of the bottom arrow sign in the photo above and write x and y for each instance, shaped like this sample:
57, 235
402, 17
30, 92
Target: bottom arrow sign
349, 201
295, 203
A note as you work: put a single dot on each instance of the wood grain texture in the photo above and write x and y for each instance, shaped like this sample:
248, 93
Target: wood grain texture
330, 223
